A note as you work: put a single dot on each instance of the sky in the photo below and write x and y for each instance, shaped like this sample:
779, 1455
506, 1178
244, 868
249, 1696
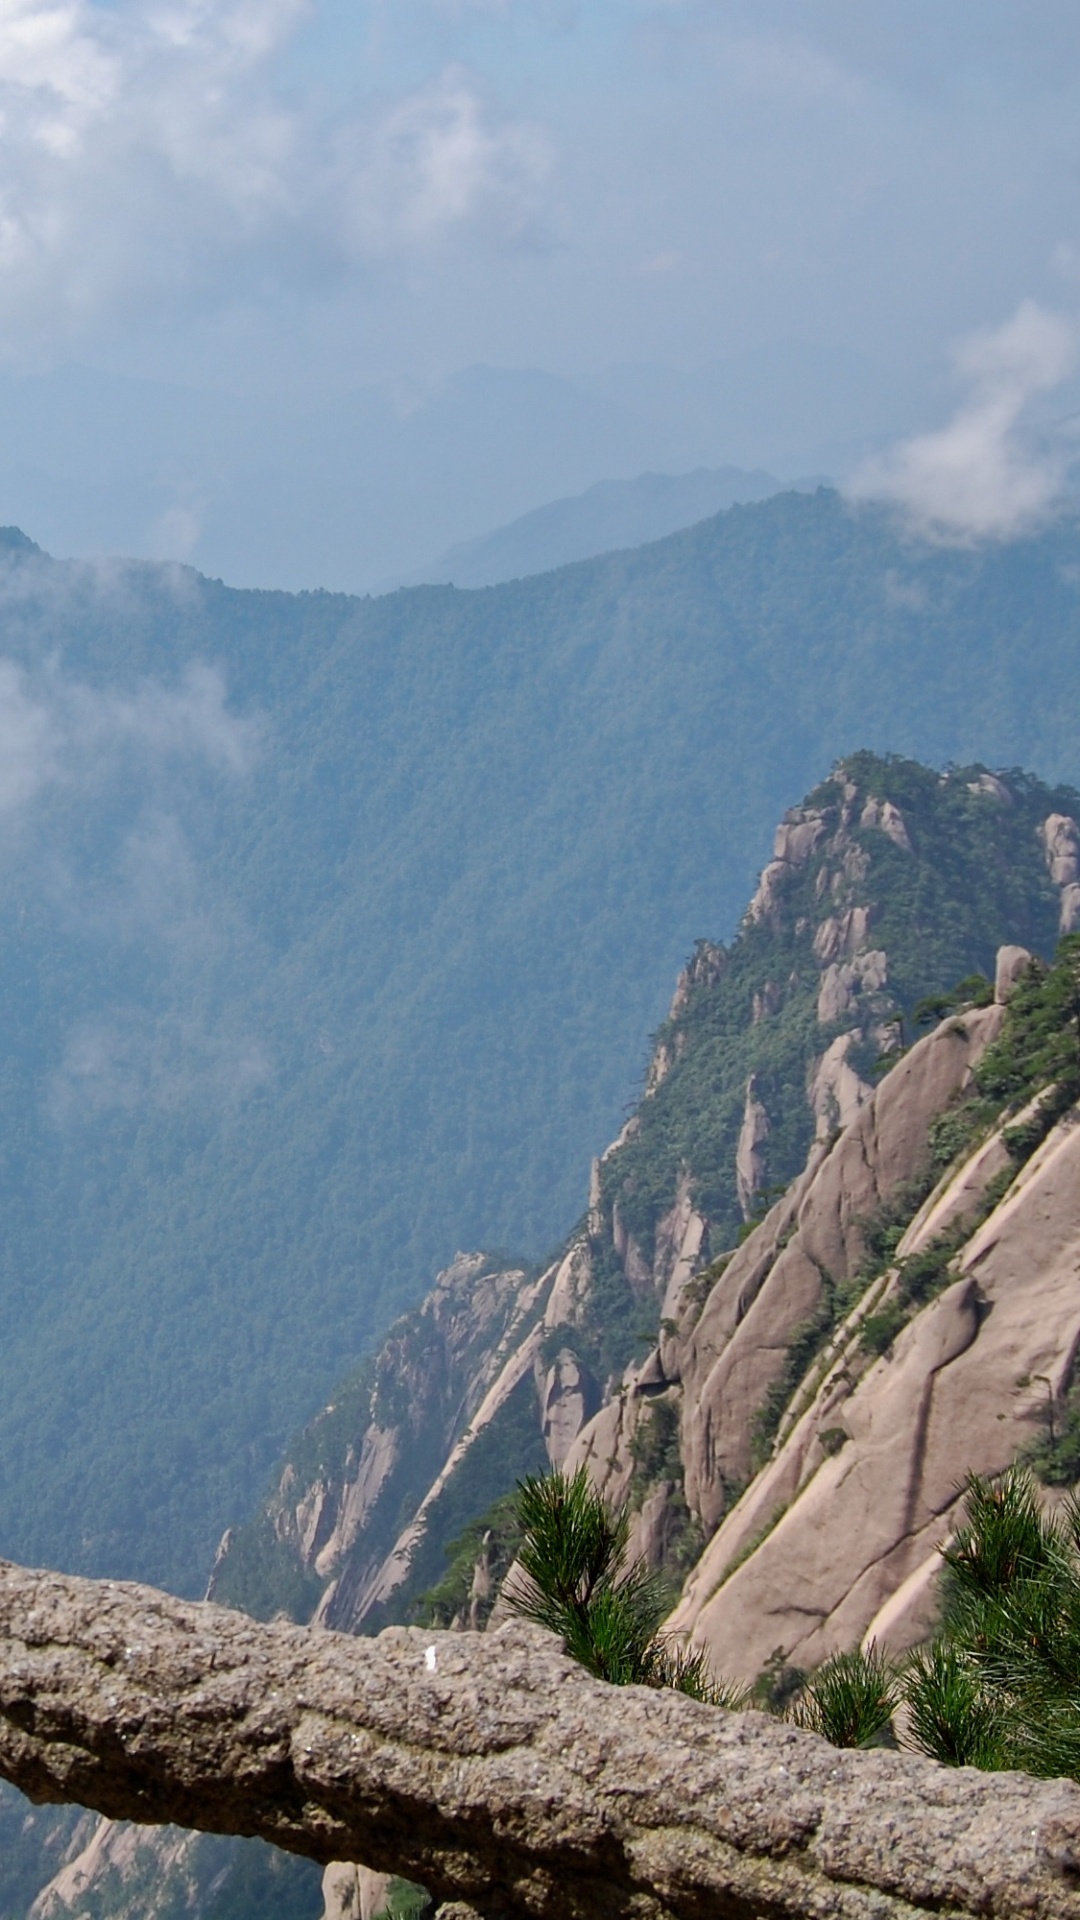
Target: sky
750, 231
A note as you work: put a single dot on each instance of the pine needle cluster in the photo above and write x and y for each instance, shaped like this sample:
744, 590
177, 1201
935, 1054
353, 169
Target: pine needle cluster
850, 1700
574, 1576
1000, 1686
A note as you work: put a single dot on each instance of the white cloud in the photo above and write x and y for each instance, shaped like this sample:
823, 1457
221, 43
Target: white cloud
59, 736
986, 474
175, 533
147, 152
99, 805
131, 1059
434, 160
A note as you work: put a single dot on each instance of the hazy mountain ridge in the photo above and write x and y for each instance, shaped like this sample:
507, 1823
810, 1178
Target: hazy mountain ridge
346, 488
609, 516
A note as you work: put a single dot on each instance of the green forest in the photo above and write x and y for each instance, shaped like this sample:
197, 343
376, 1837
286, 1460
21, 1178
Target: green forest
284, 1027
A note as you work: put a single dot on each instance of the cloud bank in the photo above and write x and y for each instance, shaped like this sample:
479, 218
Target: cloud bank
988, 473
148, 150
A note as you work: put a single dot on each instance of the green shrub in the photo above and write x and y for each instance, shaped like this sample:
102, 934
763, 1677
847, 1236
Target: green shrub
879, 1330
1040, 1042
950, 1716
496, 1536
406, 1901
1055, 1456
807, 1341
850, 1700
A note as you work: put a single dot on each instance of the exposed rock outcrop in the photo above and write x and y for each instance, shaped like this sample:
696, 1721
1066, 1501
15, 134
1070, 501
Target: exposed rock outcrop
352, 1892
797, 837
843, 984
439, 1380
495, 1771
570, 1396
733, 1352
122, 1854
707, 965
889, 820
1061, 839
750, 1159
842, 933
837, 1090
1012, 963
821, 949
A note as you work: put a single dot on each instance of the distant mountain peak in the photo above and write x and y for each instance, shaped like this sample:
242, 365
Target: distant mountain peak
610, 515
14, 540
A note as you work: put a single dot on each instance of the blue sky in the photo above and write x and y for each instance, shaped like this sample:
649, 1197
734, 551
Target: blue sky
279, 199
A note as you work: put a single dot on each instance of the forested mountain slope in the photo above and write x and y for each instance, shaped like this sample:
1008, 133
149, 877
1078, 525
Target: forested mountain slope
887, 884
333, 927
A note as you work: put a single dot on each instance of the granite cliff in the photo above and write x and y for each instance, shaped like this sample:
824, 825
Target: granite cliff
691, 1340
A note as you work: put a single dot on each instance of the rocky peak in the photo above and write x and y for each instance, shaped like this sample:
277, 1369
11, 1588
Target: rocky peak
767, 1075
704, 968
1061, 839
797, 839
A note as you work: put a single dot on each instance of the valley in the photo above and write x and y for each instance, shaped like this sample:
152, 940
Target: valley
826, 1270
302, 1010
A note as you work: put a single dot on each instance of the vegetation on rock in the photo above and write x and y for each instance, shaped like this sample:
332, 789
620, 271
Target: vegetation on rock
970, 878
573, 1576
1000, 1686
850, 1700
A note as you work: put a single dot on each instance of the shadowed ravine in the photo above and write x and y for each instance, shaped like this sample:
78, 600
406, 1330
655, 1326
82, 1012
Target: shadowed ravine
496, 1772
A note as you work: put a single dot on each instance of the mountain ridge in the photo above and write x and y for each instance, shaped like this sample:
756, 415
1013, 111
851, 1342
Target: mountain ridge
607, 517
748, 1426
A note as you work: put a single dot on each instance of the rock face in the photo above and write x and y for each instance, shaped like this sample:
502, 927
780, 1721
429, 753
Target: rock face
736, 1351
852, 1550
495, 1771
441, 1376
843, 984
1012, 963
775, 1040
1061, 839
353, 1893
750, 1161
726, 1351
121, 1856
